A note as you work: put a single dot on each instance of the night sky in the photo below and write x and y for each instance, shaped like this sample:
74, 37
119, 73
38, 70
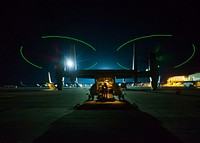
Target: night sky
105, 25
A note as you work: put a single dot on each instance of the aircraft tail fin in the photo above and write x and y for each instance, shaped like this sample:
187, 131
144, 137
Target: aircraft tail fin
49, 78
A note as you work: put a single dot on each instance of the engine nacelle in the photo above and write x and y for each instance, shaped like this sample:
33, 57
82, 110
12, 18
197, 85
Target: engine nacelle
153, 66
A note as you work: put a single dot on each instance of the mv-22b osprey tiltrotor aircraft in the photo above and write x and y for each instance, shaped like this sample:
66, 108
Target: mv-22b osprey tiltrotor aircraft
105, 87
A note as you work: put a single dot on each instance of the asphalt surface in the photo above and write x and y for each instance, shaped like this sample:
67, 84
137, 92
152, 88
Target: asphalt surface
41, 115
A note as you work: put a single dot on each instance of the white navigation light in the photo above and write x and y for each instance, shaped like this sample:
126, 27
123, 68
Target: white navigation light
70, 63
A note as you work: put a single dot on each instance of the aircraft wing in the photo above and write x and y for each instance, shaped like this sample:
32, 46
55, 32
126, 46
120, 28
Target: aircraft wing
106, 73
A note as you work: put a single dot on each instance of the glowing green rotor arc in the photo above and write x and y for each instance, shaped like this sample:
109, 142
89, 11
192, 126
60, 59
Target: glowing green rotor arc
140, 38
70, 38
21, 52
123, 66
143, 37
61, 37
179, 65
91, 66
77, 40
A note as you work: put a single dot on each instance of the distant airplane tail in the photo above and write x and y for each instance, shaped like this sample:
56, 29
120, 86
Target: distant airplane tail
49, 83
22, 84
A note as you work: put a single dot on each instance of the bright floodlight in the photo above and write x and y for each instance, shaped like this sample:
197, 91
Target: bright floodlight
70, 63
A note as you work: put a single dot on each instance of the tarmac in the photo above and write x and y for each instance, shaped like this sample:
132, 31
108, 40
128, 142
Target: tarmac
39, 115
